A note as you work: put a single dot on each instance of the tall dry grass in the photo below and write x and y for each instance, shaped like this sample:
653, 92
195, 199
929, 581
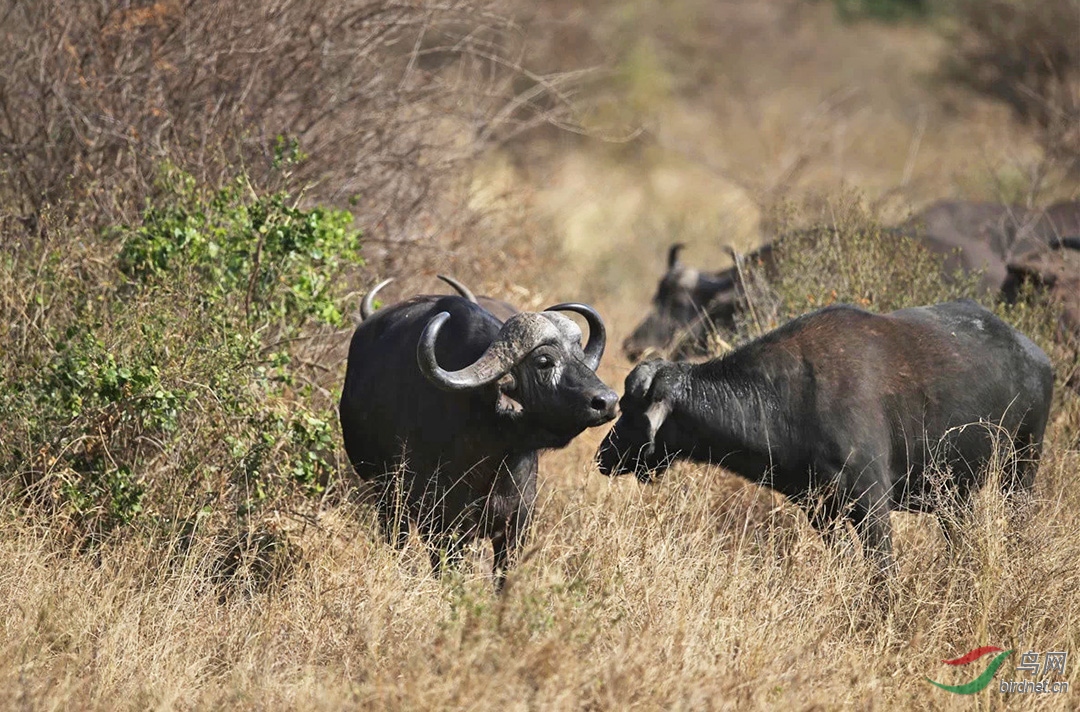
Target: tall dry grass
698, 593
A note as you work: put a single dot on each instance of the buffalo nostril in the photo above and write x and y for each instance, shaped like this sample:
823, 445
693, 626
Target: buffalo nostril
604, 403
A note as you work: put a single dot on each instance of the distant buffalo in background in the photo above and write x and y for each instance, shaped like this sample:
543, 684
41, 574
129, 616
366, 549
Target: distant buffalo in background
691, 305
1055, 271
986, 237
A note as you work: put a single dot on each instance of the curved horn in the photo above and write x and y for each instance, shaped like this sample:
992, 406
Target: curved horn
673, 255
458, 287
594, 349
367, 305
492, 365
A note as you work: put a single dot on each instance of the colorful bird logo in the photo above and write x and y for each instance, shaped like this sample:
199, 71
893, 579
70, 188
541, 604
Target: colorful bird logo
970, 688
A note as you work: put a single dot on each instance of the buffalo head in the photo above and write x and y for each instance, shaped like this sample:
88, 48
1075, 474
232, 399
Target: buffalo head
636, 443
544, 378
681, 299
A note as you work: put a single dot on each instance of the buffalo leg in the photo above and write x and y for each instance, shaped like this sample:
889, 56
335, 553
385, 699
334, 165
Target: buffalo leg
954, 517
447, 554
1028, 451
824, 516
870, 515
519, 487
505, 544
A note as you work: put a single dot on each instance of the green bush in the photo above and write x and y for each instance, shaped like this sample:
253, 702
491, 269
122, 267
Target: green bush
157, 378
279, 257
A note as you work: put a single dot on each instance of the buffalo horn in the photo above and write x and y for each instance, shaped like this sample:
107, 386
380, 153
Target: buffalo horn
492, 365
673, 255
367, 305
594, 349
458, 287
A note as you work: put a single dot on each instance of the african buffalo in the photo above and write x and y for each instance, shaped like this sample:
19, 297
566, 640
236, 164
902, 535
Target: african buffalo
695, 304
985, 237
1056, 272
871, 413
446, 408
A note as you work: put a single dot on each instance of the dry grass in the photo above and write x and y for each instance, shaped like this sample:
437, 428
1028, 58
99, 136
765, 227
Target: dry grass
697, 593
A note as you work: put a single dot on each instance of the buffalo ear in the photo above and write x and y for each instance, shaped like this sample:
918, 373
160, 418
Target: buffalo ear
639, 381
506, 404
656, 414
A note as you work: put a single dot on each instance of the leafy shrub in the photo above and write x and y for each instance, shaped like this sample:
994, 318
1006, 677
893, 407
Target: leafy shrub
277, 255
161, 378
851, 258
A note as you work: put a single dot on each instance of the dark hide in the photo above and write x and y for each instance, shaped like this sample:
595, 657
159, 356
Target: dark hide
461, 465
498, 308
851, 407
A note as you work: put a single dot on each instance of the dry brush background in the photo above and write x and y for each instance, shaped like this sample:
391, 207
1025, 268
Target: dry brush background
179, 527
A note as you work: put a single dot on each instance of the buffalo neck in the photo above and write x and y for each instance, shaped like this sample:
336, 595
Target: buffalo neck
728, 413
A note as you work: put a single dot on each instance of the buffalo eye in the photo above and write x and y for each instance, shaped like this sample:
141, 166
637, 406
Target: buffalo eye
545, 363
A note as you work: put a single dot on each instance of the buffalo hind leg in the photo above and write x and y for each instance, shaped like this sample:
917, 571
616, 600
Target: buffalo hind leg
1027, 453
824, 515
954, 517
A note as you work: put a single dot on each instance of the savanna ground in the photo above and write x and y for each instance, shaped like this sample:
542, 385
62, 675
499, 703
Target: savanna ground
179, 526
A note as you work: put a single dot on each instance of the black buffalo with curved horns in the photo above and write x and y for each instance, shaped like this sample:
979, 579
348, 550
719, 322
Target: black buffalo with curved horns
872, 412
447, 408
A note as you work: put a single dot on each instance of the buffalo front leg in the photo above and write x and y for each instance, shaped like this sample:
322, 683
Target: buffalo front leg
447, 553
505, 543
517, 489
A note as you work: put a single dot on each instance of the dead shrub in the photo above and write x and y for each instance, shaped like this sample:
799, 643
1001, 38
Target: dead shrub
386, 99
1025, 54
